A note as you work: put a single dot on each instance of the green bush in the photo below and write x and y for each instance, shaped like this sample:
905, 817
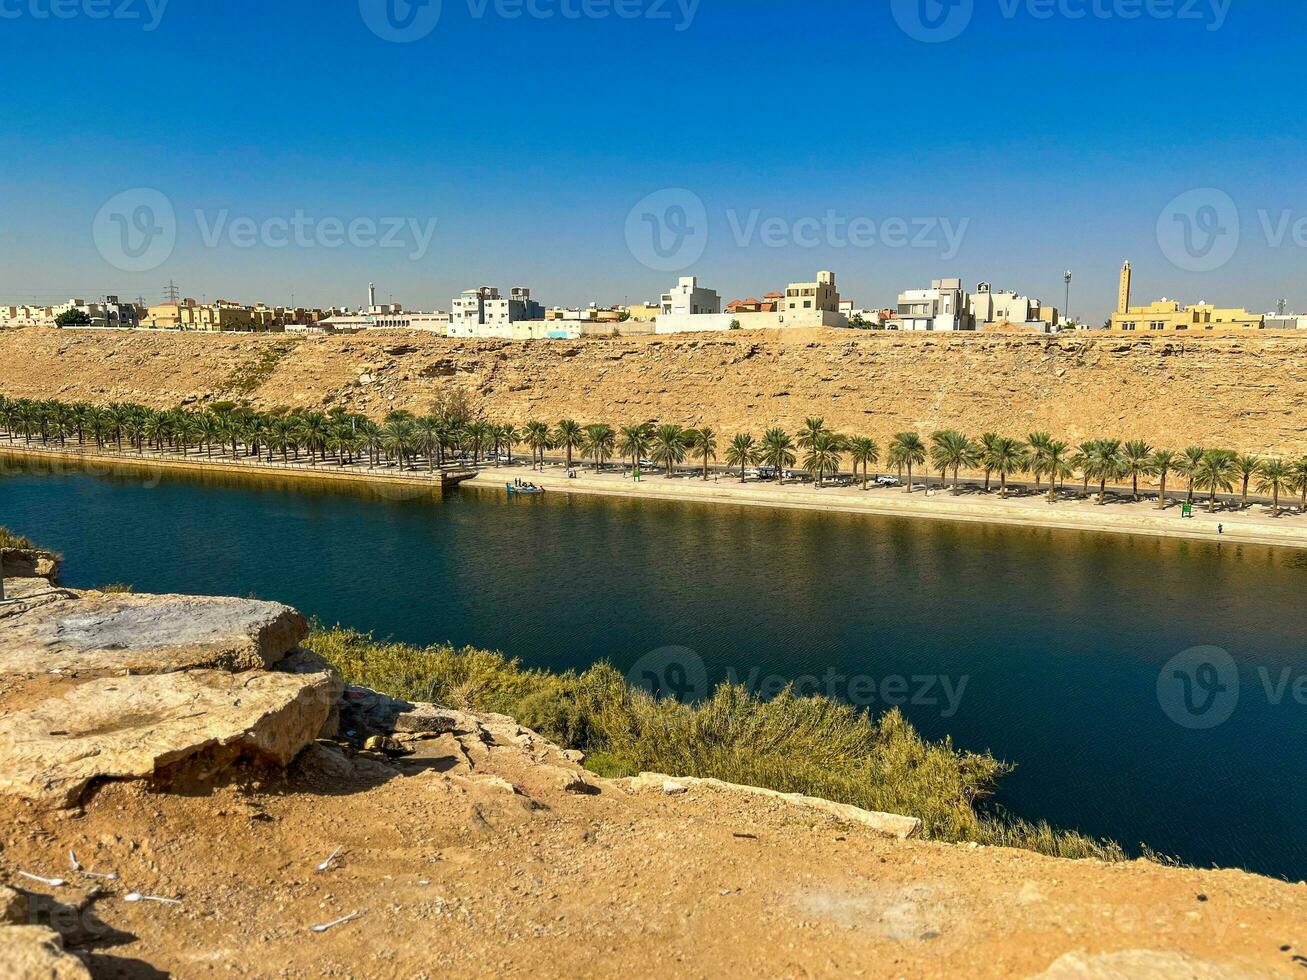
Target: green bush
810, 745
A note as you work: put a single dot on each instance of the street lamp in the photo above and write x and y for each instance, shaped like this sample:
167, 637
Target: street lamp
1066, 307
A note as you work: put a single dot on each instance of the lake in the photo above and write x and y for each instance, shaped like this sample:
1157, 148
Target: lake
1044, 647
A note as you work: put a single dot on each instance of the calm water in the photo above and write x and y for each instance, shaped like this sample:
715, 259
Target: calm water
1058, 637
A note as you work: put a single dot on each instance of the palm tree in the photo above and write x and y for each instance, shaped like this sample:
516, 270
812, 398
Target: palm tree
667, 447
1247, 467
1276, 476
1137, 461
777, 451
1163, 463
399, 437
597, 443
1187, 466
537, 437
1054, 460
823, 455
951, 450
742, 452
567, 437
1007, 456
703, 442
1299, 471
987, 443
634, 442
1105, 461
1215, 473
313, 434
478, 434
865, 453
428, 432
812, 428
1038, 443
908, 450
511, 437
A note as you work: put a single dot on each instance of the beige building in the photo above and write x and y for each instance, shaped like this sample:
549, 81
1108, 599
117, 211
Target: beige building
1167, 314
212, 317
27, 316
812, 297
994, 308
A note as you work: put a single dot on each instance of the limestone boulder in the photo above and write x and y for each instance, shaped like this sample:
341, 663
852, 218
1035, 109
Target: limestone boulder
51, 629
13, 907
29, 563
140, 727
36, 953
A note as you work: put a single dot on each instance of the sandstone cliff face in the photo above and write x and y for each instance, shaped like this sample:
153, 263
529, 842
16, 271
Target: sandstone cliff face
1244, 393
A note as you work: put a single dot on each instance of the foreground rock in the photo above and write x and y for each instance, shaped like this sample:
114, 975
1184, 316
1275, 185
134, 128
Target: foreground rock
29, 563
36, 953
140, 727
61, 630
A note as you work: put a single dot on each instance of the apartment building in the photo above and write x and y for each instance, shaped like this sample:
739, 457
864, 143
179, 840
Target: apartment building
483, 312
944, 307
993, 308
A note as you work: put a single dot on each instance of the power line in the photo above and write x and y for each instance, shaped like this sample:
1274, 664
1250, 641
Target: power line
171, 293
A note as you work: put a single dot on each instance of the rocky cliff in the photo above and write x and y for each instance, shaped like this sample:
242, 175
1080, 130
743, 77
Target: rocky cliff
184, 790
1247, 393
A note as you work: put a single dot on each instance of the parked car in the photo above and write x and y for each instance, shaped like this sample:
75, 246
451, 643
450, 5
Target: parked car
886, 481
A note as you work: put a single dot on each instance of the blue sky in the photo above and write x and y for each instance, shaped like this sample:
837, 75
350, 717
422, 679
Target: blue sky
1043, 140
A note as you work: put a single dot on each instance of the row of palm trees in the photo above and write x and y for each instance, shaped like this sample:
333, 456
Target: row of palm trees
452, 433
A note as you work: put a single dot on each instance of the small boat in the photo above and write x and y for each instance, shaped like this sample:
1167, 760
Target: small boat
526, 488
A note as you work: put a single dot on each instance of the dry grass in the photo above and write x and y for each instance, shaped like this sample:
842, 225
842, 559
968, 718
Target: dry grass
809, 745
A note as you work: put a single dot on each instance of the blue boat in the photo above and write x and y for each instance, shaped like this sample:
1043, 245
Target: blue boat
528, 489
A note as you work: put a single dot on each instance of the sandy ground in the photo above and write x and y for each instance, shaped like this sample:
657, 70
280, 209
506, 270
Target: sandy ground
475, 861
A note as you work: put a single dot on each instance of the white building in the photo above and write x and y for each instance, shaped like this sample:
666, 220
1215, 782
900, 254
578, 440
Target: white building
482, 312
1284, 321
110, 313
990, 307
692, 308
690, 299
945, 306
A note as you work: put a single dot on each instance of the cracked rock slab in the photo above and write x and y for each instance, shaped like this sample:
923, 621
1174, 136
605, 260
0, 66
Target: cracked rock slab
136, 727
142, 634
34, 951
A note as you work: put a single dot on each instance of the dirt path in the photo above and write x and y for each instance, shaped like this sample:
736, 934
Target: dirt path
474, 860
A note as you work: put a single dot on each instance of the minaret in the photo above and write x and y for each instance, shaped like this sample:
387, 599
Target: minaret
1123, 297
372, 296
